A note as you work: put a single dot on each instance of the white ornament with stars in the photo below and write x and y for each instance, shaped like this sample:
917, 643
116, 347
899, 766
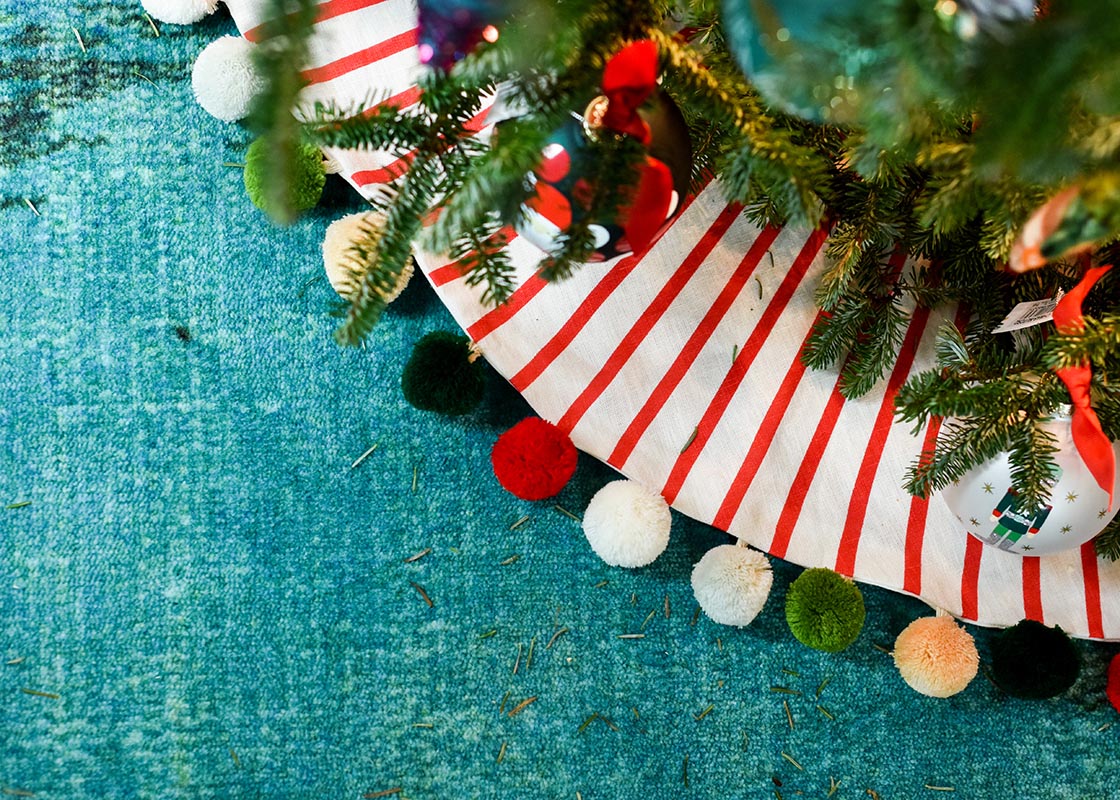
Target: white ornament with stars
986, 505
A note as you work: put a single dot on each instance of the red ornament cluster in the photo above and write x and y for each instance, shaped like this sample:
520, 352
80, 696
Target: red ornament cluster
534, 459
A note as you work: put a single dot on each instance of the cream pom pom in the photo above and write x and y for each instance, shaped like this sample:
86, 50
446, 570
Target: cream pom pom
627, 525
936, 656
732, 583
224, 78
179, 12
343, 269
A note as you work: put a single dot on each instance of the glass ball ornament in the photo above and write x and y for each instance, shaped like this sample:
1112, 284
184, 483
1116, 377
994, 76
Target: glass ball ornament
985, 502
805, 57
562, 183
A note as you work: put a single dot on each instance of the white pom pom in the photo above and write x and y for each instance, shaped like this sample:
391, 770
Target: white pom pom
179, 12
732, 583
627, 525
224, 78
339, 260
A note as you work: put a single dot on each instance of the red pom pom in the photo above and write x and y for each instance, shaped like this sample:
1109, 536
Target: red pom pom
1113, 687
534, 459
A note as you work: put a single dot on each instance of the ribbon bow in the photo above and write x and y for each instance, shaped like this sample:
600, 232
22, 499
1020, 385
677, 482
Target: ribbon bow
1093, 446
629, 78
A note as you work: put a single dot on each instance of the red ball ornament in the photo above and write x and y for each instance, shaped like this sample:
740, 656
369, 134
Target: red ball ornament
1112, 689
534, 459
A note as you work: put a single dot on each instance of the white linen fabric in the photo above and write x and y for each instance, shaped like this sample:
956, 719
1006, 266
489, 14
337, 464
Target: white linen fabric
681, 370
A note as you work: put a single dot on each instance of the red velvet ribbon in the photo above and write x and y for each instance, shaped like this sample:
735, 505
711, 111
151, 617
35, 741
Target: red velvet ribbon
629, 78
1094, 447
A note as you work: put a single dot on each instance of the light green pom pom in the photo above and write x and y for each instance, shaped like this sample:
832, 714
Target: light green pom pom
307, 178
824, 610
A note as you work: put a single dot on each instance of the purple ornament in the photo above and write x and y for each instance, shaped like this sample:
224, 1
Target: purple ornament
450, 29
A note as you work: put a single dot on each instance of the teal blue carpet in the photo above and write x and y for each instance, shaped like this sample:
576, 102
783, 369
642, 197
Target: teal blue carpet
200, 598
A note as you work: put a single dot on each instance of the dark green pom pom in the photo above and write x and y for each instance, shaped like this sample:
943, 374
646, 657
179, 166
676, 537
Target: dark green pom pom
307, 175
824, 610
1034, 662
441, 376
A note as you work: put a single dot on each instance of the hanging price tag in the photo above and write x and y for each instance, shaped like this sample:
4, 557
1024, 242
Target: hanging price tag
1027, 314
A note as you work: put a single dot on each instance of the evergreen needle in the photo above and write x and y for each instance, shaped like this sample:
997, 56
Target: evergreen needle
364, 456
691, 439
19, 504
524, 704
555, 636
37, 693
152, 22
792, 760
423, 594
32, 206
78, 36
566, 513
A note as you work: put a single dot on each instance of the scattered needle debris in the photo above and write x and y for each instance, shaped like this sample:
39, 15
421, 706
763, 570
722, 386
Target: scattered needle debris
517, 709
423, 594
364, 456
418, 556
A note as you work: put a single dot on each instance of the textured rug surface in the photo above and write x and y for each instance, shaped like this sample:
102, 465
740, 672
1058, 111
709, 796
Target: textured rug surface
200, 598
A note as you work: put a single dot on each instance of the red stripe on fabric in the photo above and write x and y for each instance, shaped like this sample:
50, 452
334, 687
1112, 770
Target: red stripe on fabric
1032, 588
649, 317
799, 489
916, 524
880, 431
386, 174
495, 318
575, 323
328, 10
763, 438
1091, 577
478, 121
441, 276
761, 331
919, 506
363, 58
403, 99
691, 349
970, 577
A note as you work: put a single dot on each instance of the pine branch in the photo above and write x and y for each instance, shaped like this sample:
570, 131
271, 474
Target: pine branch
494, 181
381, 127
1107, 542
766, 154
484, 259
279, 57
1099, 341
403, 211
874, 351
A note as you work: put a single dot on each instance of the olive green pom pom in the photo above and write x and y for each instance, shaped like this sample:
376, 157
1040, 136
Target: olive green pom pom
443, 375
824, 610
1034, 662
307, 175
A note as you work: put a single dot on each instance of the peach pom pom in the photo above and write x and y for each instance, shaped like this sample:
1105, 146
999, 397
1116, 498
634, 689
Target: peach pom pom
936, 656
